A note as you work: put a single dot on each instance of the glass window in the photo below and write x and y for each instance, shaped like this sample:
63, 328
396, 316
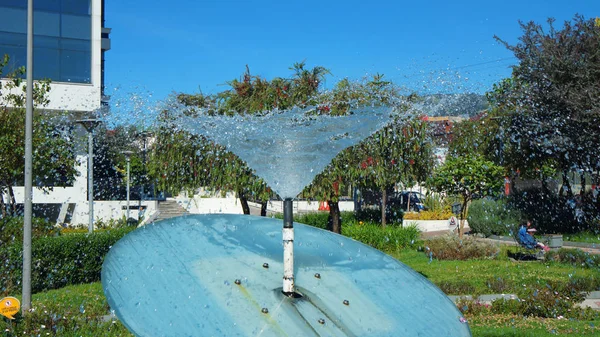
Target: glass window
76, 27
45, 23
12, 39
13, 20
81, 7
46, 63
46, 42
17, 56
72, 44
75, 66
45, 5
14, 3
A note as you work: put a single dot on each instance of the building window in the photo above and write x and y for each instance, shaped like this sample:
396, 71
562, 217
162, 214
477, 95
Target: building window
62, 38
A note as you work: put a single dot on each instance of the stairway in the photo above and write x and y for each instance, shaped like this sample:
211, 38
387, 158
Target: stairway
169, 209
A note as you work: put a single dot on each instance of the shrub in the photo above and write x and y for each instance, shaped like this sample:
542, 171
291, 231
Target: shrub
492, 217
576, 257
458, 287
548, 212
393, 215
499, 285
385, 239
11, 229
543, 302
451, 247
442, 214
58, 261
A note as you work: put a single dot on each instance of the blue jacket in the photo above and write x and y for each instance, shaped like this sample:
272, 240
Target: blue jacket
526, 239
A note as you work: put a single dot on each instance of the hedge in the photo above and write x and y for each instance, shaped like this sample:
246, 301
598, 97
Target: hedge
57, 261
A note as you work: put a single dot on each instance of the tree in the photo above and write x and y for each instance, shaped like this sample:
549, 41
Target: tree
469, 177
399, 153
53, 157
210, 165
551, 105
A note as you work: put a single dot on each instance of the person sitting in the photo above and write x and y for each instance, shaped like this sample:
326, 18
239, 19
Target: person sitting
527, 240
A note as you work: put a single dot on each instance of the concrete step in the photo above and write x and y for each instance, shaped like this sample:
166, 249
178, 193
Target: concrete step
169, 209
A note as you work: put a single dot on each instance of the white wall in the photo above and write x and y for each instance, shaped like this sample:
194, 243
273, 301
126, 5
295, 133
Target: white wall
77, 194
207, 204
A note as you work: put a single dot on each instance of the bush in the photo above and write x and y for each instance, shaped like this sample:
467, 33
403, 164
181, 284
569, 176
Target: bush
58, 261
456, 287
543, 302
451, 247
385, 239
11, 229
576, 257
429, 215
393, 216
492, 217
549, 213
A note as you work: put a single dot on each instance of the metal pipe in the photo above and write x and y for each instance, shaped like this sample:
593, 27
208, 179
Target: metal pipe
26, 305
288, 247
91, 181
127, 219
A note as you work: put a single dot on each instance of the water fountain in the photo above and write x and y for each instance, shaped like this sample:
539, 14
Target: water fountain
222, 274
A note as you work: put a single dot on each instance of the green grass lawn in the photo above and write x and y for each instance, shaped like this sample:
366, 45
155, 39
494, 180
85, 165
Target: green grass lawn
500, 275
587, 237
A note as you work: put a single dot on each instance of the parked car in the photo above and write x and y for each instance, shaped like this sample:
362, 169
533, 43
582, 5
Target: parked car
408, 201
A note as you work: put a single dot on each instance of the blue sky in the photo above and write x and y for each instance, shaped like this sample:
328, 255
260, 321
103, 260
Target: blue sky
160, 47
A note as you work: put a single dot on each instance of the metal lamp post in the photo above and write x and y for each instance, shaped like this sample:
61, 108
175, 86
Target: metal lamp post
144, 135
90, 125
28, 215
128, 158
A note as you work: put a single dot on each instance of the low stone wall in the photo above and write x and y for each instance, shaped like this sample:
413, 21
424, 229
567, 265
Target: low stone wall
432, 225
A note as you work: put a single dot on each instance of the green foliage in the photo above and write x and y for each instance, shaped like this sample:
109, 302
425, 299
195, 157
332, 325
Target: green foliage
315, 219
492, 217
360, 227
394, 217
451, 247
575, 257
540, 302
53, 157
456, 287
385, 239
58, 261
73, 311
548, 212
11, 229
469, 177
551, 98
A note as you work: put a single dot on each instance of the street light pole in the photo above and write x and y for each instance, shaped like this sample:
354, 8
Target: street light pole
90, 125
28, 215
128, 158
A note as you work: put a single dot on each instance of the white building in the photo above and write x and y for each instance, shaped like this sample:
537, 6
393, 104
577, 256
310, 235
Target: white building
69, 45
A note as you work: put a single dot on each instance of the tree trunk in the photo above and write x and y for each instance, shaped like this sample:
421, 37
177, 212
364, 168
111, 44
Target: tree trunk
13, 201
582, 184
2, 206
244, 202
263, 208
463, 216
383, 205
335, 222
566, 186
